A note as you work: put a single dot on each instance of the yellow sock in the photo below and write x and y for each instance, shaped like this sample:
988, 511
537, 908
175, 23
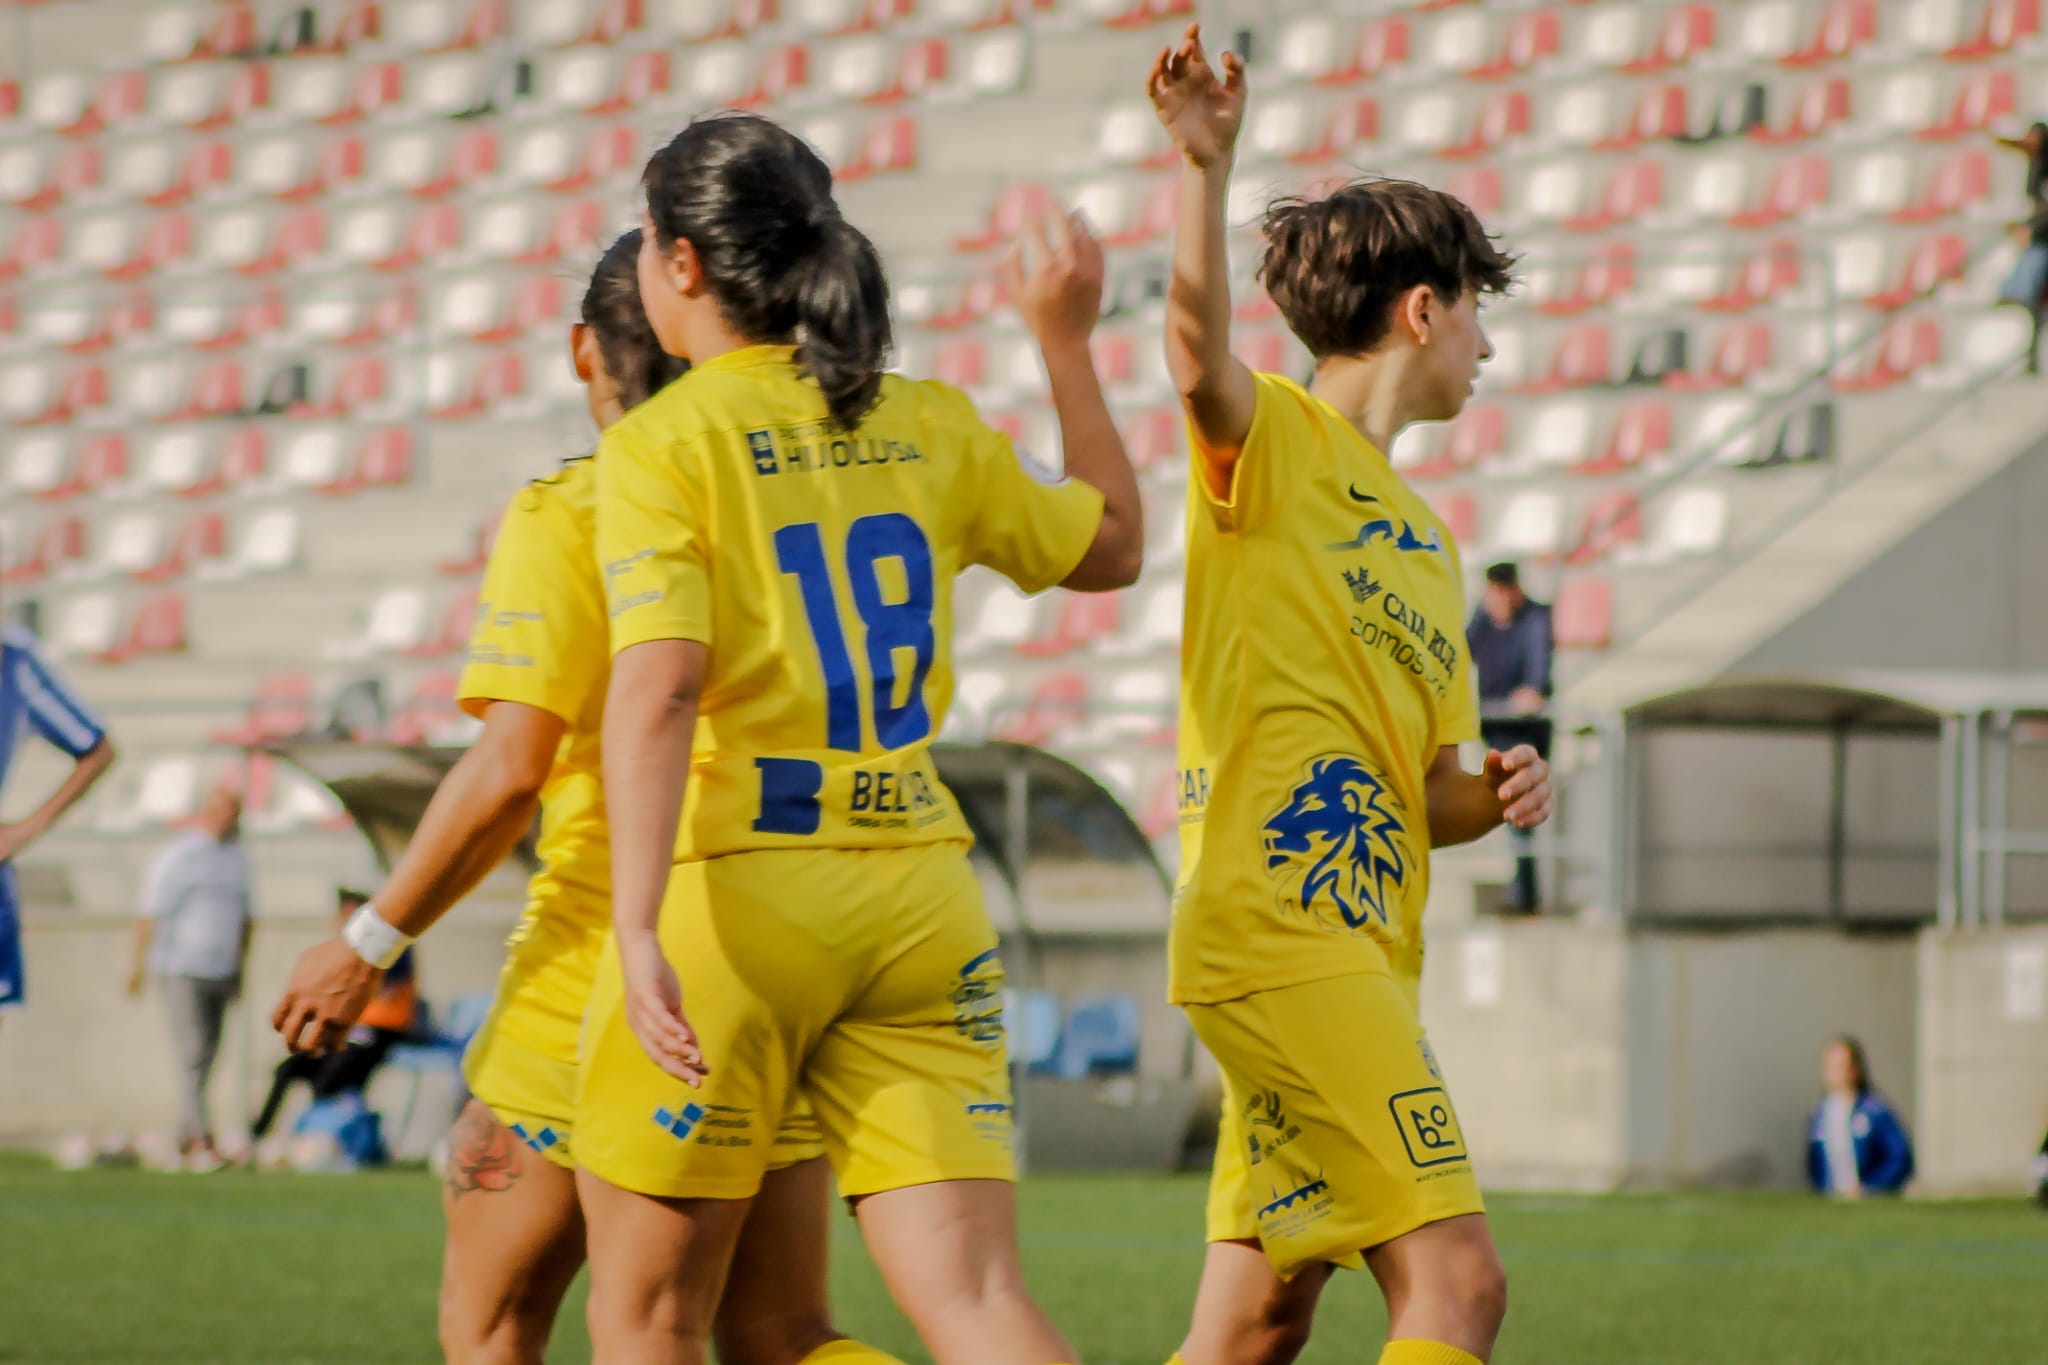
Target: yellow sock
1426, 1353
846, 1352
1176, 1360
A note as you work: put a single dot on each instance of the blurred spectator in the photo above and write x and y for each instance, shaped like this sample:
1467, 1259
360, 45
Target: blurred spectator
193, 936
1510, 640
1855, 1144
32, 698
2027, 286
388, 1020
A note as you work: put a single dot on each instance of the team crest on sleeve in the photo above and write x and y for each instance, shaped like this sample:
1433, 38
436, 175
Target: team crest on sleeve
1338, 847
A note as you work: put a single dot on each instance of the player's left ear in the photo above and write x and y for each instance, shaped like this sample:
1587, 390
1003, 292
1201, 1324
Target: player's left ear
1418, 311
584, 354
684, 267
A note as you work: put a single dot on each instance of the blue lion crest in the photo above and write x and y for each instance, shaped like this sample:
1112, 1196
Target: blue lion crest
1339, 819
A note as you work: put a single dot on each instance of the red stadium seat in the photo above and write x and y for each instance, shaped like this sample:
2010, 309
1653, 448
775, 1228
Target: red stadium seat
1797, 188
1740, 353
473, 560
34, 178
1682, 36
1843, 27
158, 627
1154, 436
890, 144
1771, 272
1382, 44
1934, 261
452, 636
430, 706
1142, 13
1635, 189
1479, 434
1503, 117
203, 538
1459, 513
1608, 275
2005, 25
1083, 618
57, 545
1956, 184
1611, 519
478, 388
1642, 429
1015, 209
1582, 616
38, 241
206, 168
1582, 358
1660, 115
1906, 346
1820, 107
1531, 38
281, 708
1059, 702
1987, 100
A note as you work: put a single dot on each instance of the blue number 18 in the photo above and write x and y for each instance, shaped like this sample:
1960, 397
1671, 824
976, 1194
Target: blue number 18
888, 626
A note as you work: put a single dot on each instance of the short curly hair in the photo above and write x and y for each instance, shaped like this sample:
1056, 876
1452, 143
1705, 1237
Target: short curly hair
1335, 265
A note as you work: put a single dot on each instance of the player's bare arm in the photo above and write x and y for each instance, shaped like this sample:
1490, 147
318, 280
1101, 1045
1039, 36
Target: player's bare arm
650, 720
1514, 789
1202, 108
87, 769
1059, 293
478, 814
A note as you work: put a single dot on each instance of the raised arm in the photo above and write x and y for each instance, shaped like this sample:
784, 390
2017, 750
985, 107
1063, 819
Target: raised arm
1202, 110
476, 818
1060, 296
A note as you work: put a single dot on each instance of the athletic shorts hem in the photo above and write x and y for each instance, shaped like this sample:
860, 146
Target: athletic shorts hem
1346, 1248
1233, 994
674, 1187
562, 1153
908, 1178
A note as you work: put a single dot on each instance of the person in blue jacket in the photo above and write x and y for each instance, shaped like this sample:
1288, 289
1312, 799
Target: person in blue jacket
1855, 1144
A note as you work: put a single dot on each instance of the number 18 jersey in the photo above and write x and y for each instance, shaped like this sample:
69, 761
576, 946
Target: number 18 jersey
818, 567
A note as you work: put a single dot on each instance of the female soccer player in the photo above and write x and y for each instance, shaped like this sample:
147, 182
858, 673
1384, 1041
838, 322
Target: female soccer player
536, 677
780, 532
1324, 693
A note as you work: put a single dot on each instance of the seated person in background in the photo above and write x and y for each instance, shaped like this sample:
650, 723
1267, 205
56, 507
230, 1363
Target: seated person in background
388, 1019
1855, 1144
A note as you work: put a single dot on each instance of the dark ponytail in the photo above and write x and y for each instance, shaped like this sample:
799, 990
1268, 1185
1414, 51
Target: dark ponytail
611, 309
756, 203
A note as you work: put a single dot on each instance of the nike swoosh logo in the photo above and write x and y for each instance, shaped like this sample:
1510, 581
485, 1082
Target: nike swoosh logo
1357, 496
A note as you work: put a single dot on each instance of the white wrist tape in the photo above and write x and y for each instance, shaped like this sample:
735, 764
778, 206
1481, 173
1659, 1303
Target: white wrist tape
374, 939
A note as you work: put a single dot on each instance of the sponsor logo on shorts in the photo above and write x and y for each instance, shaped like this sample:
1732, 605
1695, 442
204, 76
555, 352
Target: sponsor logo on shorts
1429, 1126
709, 1125
540, 1139
1289, 1211
1270, 1128
1338, 847
978, 999
991, 1119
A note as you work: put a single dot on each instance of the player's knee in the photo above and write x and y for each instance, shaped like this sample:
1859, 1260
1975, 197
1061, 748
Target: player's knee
498, 1331
1276, 1339
625, 1313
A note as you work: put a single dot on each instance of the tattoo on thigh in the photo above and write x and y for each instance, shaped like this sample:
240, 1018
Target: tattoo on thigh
482, 1153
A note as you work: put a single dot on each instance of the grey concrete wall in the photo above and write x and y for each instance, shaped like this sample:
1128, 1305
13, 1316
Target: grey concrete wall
1725, 1034
1969, 590
1983, 1059
1527, 1021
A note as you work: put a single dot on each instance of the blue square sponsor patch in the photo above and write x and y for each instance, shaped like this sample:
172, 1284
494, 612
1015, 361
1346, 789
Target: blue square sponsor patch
679, 1125
1429, 1126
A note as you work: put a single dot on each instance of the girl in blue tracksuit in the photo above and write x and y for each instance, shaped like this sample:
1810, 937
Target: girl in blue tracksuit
1855, 1144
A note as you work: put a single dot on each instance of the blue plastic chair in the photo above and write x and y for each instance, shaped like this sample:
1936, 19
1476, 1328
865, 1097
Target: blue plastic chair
1101, 1038
1034, 1028
436, 1049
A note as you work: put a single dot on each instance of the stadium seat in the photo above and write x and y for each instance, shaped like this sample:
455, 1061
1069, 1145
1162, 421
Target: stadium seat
1527, 40
2002, 27
1082, 620
1740, 352
1694, 523
1131, 136
1155, 617
451, 636
565, 23
1906, 346
38, 241
1582, 616
1581, 358
1610, 521
477, 551
1101, 1038
200, 543
889, 144
1841, 28
268, 543
55, 549
1479, 434
395, 623
1932, 262
1820, 108
1595, 281
1529, 525
1059, 702
462, 386
1956, 184
158, 627
1987, 100
35, 175
1641, 430
429, 712
705, 20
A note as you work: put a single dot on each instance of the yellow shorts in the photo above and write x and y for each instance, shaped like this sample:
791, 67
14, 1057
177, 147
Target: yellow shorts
1338, 1134
522, 1063
864, 981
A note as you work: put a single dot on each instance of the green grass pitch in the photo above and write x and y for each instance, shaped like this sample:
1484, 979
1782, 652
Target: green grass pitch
121, 1266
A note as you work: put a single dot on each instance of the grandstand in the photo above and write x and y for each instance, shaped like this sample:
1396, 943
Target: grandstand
283, 289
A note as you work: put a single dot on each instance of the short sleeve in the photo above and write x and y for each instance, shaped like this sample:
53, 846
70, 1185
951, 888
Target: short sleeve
54, 711
1243, 488
653, 544
539, 628
1031, 527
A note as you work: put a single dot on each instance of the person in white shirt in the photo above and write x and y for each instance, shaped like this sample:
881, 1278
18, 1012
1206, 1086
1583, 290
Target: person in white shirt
193, 937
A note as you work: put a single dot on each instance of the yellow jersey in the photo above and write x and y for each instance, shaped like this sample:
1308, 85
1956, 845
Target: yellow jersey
539, 639
1323, 665
818, 568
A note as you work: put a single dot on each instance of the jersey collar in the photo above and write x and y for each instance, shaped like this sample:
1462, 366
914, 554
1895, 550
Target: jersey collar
749, 358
